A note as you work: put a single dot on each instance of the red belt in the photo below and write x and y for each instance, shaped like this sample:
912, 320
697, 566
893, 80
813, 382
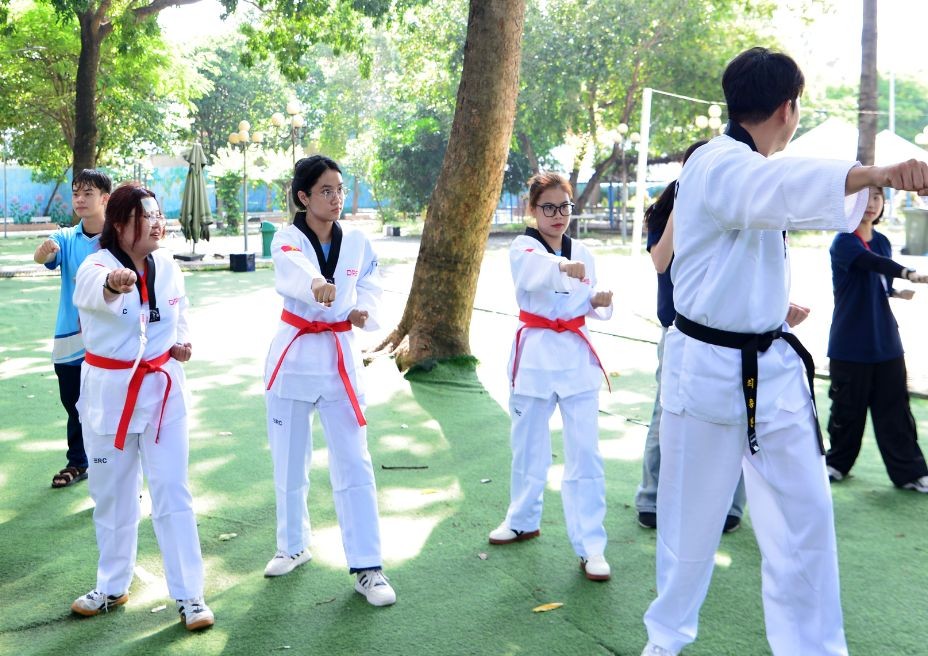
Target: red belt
135, 384
309, 327
530, 320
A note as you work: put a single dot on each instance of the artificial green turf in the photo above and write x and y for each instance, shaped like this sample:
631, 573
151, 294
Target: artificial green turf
457, 594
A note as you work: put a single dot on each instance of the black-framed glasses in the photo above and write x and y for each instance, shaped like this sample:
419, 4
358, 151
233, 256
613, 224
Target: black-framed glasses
328, 193
550, 209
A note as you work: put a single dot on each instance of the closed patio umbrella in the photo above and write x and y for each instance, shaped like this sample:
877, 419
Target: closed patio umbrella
195, 214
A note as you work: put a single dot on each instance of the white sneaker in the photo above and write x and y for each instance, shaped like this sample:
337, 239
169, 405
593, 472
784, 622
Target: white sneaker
596, 568
833, 474
502, 534
919, 485
194, 613
283, 563
373, 584
651, 649
96, 602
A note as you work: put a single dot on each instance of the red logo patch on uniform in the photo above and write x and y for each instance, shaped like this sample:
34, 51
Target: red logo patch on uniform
585, 281
351, 273
173, 301
286, 248
529, 250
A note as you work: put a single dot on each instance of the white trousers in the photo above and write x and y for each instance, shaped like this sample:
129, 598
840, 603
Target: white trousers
289, 430
583, 489
115, 481
791, 510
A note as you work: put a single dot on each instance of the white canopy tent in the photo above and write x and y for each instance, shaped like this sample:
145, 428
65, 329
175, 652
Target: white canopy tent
837, 139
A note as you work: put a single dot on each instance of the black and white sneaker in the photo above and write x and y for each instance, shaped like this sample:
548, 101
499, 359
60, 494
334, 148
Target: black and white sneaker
374, 586
195, 614
918, 485
96, 602
283, 563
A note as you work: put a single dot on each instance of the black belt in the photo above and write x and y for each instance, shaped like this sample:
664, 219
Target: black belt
749, 344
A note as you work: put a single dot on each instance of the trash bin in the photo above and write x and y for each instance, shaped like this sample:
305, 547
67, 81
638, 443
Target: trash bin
267, 236
241, 262
916, 231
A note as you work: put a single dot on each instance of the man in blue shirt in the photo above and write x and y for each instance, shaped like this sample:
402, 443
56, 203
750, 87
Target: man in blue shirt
67, 248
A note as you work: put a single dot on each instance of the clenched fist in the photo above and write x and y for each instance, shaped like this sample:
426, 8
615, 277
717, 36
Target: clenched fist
122, 280
181, 352
323, 292
358, 317
46, 251
573, 269
601, 299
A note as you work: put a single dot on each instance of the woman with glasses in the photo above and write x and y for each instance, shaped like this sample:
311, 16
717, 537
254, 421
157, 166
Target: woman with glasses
133, 405
327, 277
553, 363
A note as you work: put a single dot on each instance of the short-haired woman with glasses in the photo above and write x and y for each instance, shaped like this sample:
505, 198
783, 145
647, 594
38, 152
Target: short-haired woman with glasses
328, 279
553, 363
133, 405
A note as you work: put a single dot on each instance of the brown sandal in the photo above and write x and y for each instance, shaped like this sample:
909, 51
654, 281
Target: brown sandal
69, 476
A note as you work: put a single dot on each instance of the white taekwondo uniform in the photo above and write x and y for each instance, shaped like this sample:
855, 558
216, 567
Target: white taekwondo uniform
307, 379
731, 272
556, 368
155, 437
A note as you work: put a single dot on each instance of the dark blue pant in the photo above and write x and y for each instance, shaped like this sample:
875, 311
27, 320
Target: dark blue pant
69, 389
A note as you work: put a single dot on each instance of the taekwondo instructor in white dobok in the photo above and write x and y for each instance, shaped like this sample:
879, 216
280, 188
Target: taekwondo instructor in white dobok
735, 387
133, 405
328, 279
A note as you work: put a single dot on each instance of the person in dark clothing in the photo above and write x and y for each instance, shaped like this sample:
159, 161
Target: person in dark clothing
867, 362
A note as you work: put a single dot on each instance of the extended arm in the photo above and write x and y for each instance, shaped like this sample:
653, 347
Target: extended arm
662, 251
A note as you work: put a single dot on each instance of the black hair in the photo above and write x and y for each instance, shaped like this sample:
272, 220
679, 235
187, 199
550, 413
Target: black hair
92, 178
882, 209
657, 214
758, 81
305, 174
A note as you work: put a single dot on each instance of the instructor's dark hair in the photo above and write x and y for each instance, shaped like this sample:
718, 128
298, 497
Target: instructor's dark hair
657, 214
94, 179
124, 203
758, 81
305, 174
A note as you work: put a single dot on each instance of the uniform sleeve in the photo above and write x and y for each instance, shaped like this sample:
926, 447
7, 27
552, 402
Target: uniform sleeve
844, 250
183, 328
88, 289
534, 269
293, 271
369, 288
747, 191
654, 236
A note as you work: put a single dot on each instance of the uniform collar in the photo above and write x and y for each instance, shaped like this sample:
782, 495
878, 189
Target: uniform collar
738, 133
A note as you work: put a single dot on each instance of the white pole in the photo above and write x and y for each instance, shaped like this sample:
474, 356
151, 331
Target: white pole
641, 180
892, 128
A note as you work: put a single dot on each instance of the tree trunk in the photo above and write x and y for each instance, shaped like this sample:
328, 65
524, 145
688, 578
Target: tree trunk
867, 104
436, 321
85, 97
599, 171
526, 145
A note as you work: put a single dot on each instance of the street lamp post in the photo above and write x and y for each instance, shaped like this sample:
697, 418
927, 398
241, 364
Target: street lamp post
243, 139
296, 123
713, 121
